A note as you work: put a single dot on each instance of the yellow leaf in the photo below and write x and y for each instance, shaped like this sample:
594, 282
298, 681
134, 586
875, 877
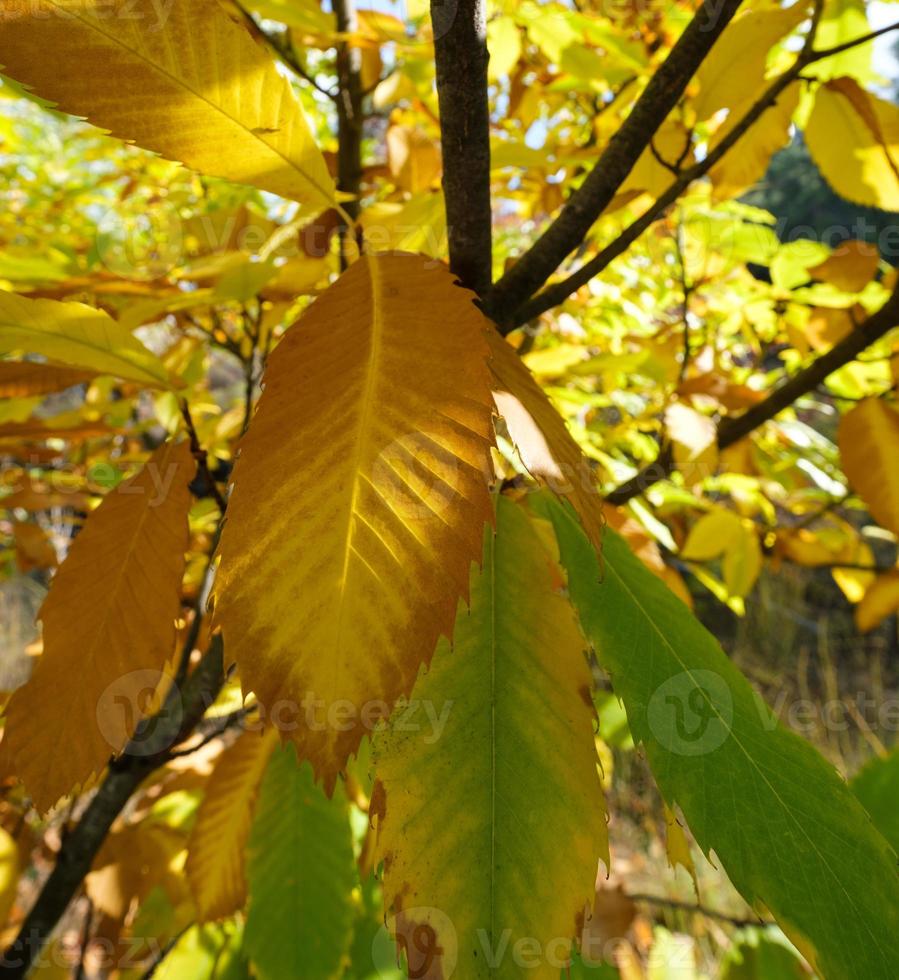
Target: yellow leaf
851, 267
504, 44
108, 627
742, 561
854, 582
746, 163
180, 78
517, 863
416, 225
21, 379
879, 601
677, 846
545, 445
414, 159
298, 276
853, 137
78, 336
693, 442
368, 456
9, 873
712, 535
133, 860
869, 447
738, 58
215, 862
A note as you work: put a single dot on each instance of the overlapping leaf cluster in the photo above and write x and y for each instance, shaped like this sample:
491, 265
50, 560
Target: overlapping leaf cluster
365, 526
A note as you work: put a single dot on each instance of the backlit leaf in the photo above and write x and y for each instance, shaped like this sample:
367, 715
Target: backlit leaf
104, 648
781, 822
77, 336
542, 439
367, 457
851, 267
739, 56
180, 78
869, 445
747, 162
216, 849
465, 888
853, 137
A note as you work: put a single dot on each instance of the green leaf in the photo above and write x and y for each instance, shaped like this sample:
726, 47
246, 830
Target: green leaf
785, 827
301, 874
491, 826
877, 786
76, 335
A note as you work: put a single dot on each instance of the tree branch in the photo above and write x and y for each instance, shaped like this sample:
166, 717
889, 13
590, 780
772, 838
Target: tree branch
695, 907
733, 429
460, 52
350, 116
558, 292
588, 202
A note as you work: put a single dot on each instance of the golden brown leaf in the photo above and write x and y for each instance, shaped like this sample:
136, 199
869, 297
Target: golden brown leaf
851, 267
215, 861
366, 460
22, 379
34, 549
880, 600
109, 628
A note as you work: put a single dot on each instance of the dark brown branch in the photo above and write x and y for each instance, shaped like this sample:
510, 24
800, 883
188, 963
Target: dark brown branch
558, 292
733, 429
460, 52
587, 203
350, 116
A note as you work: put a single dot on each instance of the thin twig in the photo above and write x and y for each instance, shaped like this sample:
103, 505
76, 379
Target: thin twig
699, 909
